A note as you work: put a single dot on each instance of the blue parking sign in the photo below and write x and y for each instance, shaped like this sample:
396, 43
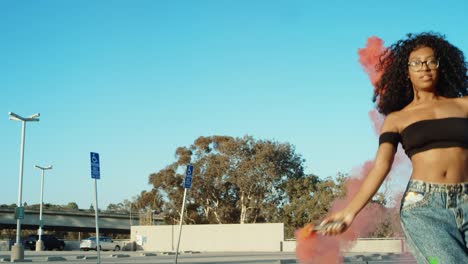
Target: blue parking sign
95, 171
188, 177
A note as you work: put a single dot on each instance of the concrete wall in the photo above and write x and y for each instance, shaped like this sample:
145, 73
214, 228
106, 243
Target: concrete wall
229, 237
364, 245
289, 246
379, 245
236, 237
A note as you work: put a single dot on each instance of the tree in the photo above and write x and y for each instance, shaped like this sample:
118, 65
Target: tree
151, 200
242, 180
129, 206
115, 207
235, 180
309, 200
72, 206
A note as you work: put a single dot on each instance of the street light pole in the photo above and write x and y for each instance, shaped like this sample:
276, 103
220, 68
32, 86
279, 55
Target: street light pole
17, 251
39, 243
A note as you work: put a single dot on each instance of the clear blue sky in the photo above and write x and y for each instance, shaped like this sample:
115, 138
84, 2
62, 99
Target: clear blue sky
134, 80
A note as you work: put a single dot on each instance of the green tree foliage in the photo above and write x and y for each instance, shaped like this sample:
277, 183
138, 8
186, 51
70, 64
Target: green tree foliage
309, 200
119, 207
72, 206
240, 180
126, 206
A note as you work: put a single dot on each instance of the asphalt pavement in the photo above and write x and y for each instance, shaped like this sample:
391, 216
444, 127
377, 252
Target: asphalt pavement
79, 257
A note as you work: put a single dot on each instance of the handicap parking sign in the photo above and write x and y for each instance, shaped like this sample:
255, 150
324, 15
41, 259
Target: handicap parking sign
188, 177
95, 172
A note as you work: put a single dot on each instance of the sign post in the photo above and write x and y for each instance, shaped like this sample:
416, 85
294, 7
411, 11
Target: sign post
187, 185
96, 175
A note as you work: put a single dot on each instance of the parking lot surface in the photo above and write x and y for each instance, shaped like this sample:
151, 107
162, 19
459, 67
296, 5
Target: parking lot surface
71, 257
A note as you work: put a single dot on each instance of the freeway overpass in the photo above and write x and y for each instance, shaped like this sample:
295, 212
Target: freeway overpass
75, 221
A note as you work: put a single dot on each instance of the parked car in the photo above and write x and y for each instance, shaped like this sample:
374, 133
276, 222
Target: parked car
105, 243
50, 242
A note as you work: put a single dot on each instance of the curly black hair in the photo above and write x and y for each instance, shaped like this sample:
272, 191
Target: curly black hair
394, 90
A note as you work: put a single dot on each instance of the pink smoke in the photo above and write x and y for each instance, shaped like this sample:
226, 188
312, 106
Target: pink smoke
320, 249
369, 58
324, 249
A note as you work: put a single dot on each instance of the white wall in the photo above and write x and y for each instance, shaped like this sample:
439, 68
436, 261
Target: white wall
364, 245
237, 237
229, 237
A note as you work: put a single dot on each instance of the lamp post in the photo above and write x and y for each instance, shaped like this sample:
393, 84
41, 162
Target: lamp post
17, 250
39, 243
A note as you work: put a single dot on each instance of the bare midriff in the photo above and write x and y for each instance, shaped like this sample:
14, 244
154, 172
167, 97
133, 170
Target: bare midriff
442, 165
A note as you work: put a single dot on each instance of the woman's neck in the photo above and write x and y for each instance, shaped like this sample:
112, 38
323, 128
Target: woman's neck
424, 96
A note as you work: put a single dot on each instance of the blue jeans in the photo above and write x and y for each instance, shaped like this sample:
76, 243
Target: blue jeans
434, 218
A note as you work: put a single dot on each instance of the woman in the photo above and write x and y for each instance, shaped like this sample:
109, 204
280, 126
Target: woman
422, 93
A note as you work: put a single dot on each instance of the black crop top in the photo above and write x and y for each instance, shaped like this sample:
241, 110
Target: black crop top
429, 134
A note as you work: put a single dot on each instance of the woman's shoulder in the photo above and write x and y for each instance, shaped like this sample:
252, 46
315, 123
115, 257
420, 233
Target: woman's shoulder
463, 99
391, 122
462, 102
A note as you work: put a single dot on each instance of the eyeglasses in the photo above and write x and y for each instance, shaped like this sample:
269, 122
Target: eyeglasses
417, 65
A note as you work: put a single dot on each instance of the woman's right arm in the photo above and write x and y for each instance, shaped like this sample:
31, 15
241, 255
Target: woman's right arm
382, 165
